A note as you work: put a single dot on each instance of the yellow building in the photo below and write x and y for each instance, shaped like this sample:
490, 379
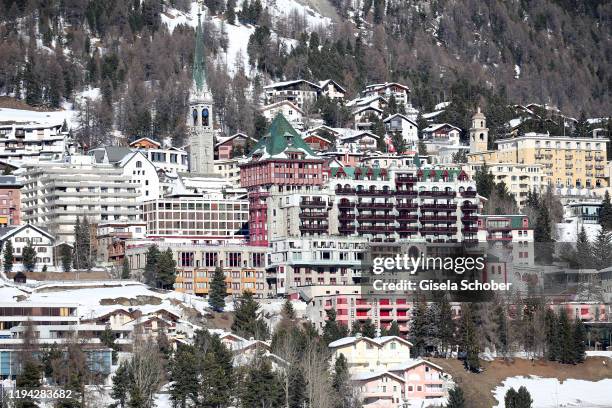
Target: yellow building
567, 161
369, 354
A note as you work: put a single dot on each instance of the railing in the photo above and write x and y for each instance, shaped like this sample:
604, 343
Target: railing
375, 217
468, 193
407, 206
407, 217
437, 218
438, 230
313, 203
373, 192
346, 204
405, 179
318, 216
375, 205
409, 193
345, 190
434, 207
427, 193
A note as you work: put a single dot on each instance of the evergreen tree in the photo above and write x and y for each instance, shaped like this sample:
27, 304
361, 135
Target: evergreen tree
218, 291
184, 372
422, 148
551, 335
166, 270
399, 144
332, 330
125, 268
368, 329
8, 256
456, 398
150, 270
582, 128
28, 257
605, 214
107, 338
566, 338
584, 252
469, 338
485, 181
394, 329
247, 320
341, 383
602, 250
120, 388
579, 340
230, 12
29, 378
260, 386
418, 329
523, 398
501, 327
446, 329
288, 312
510, 398
66, 257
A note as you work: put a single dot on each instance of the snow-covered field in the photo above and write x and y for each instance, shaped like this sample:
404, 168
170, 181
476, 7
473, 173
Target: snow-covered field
568, 231
551, 393
29, 116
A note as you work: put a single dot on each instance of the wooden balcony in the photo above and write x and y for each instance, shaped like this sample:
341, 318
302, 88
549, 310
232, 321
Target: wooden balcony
373, 193
406, 193
469, 230
437, 218
407, 206
438, 230
313, 216
375, 217
314, 227
401, 179
313, 204
407, 217
346, 204
438, 194
438, 207
375, 206
345, 190
468, 194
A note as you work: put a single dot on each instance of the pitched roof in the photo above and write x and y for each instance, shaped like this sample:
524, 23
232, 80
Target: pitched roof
413, 363
388, 118
280, 137
292, 82
324, 83
377, 340
279, 103
145, 139
371, 375
436, 126
7, 232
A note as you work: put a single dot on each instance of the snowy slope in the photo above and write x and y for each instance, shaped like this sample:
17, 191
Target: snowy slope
568, 232
238, 34
22, 116
549, 392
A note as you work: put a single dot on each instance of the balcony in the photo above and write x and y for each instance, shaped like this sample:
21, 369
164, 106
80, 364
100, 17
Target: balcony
313, 203
407, 206
507, 227
598, 158
362, 304
346, 229
569, 157
345, 190
373, 192
468, 194
599, 167
375, 217
469, 218
427, 193
438, 207
375, 206
406, 193
314, 227
405, 179
375, 229
588, 157
438, 230
437, 218
408, 229
407, 217
498, 237
313, 216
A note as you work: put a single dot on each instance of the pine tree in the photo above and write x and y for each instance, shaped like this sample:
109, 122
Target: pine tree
418, 329
288, 312
566, 338
456, 398
501, 328
469, 338
8, 256
584, 252
510, 398
394, 329
368, 329
602, 250
150, 270
332, 330
230, 12
165, 270
579, 340
247, 320
125, 268
66, 257
399, 144
523, 398
446, 330
218, 291
485, 181
120, 388
605, 213
28, 257
551, 335
184, 373
260, 386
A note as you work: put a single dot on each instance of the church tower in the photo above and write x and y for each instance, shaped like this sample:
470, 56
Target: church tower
200, 119
479, 133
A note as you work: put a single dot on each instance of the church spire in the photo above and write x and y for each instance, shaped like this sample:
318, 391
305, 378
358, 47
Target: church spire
199, 67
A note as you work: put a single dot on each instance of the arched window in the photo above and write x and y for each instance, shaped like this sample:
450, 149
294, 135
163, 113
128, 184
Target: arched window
482, 136
194, 116
205, 117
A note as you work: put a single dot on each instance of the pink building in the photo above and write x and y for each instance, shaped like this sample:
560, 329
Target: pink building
379, 390
422, 379
10, 201
281, 159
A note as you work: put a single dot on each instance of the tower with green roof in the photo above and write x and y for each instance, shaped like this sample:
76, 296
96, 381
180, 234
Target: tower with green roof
200, 119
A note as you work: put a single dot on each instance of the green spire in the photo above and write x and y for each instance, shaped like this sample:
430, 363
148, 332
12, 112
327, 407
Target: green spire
281, 136
199, 69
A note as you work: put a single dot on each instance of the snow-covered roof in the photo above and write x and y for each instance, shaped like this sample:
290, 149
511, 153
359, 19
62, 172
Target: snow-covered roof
404, 117
377, 340
375, 374
365, 100
279, 103
365, 108
441, 105
289, 83
410, 363
324, 83
433, 114
436, 126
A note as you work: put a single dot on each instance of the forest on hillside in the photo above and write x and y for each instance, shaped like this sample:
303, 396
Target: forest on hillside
493, 53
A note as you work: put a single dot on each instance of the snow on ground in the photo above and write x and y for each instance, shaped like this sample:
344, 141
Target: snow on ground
517, 72
568, 231
424, 403
162, 401
599, 353
441, 106
23, 116
550, 392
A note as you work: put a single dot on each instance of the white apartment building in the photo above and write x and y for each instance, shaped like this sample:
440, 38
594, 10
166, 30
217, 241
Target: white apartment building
31, 143
55, 194
143, 174
389, 89
229, 171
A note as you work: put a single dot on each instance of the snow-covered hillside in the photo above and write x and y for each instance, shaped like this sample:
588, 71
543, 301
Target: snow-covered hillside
238, 34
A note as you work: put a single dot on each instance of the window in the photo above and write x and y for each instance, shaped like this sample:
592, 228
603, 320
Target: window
138, 164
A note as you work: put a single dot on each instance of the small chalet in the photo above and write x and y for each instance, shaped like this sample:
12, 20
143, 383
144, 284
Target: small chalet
291, 112
332, 89
225, 147
145, 143
299, 92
